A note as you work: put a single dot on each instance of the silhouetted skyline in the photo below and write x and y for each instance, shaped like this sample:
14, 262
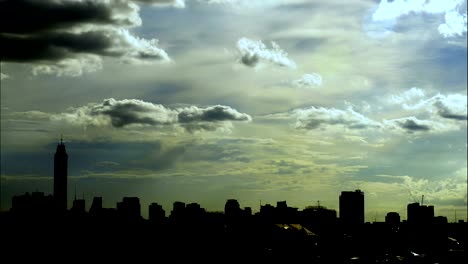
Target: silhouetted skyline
351, 204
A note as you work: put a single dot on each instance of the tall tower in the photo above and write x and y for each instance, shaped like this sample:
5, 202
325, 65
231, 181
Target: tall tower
60, 177
352, 207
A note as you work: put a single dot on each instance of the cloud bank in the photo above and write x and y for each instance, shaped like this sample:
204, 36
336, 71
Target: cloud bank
71, 37
421, 114
133, 112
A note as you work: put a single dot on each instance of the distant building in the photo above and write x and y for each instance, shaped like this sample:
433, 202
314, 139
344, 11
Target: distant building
34, 204
129, 208
96, 206
247, 211
392, 218
318, 216
178, 211
60, 177
194, 212
352, 207
156, 213
232, 210
420, 214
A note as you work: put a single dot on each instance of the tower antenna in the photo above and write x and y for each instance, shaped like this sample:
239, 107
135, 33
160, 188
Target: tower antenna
422, 199
61, 139
75, 192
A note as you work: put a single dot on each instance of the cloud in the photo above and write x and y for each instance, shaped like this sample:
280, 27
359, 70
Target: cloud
317, 117
455, 24
173, 3
454, 13
252, 3
412, 124
4, 76
70, 37
131, 112
308, 81
254, 53
72, 67
422, 114
407, 96
451, 106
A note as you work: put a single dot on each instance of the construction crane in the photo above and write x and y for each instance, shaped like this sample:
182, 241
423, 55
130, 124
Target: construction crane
415, 200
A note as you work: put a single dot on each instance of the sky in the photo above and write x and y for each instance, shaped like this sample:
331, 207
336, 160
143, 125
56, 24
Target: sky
255, 100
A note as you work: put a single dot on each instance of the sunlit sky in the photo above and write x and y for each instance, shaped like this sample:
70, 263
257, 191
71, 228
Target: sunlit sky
255, 100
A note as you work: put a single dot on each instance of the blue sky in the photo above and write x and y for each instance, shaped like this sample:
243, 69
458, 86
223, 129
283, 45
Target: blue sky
204, 101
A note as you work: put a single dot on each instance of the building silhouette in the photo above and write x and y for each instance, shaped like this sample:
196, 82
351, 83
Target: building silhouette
420, 214
129, 208
352, 207
96, 206
392, 218
60, 177
156, 213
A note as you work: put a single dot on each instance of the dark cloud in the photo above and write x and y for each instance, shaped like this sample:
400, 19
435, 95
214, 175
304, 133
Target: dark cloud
446, 111
412, 125
211, 114
30, 16
69, 37
127, 112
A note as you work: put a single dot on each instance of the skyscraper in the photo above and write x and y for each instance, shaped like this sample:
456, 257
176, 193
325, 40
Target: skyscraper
352, 208
60, 177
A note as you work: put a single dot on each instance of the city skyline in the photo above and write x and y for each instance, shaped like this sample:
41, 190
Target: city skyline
260, 101
351, 203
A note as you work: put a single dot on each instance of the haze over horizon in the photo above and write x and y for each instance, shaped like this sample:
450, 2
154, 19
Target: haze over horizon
208, 100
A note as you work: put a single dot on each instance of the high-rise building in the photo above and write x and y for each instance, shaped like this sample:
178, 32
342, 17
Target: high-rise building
232, 209
420, 214
156, 213
352, 207
129, 208
60, 177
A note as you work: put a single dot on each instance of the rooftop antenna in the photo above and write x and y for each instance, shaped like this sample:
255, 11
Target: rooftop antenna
61, 139
75, 192
422, 199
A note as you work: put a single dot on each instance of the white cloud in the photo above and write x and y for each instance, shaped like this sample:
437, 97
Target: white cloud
454, 12
451, 106
173, 3
407, 96
455, 24
72, 67
308, 81
4, 76
317, 117
254, 53
136, 50
252, 3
